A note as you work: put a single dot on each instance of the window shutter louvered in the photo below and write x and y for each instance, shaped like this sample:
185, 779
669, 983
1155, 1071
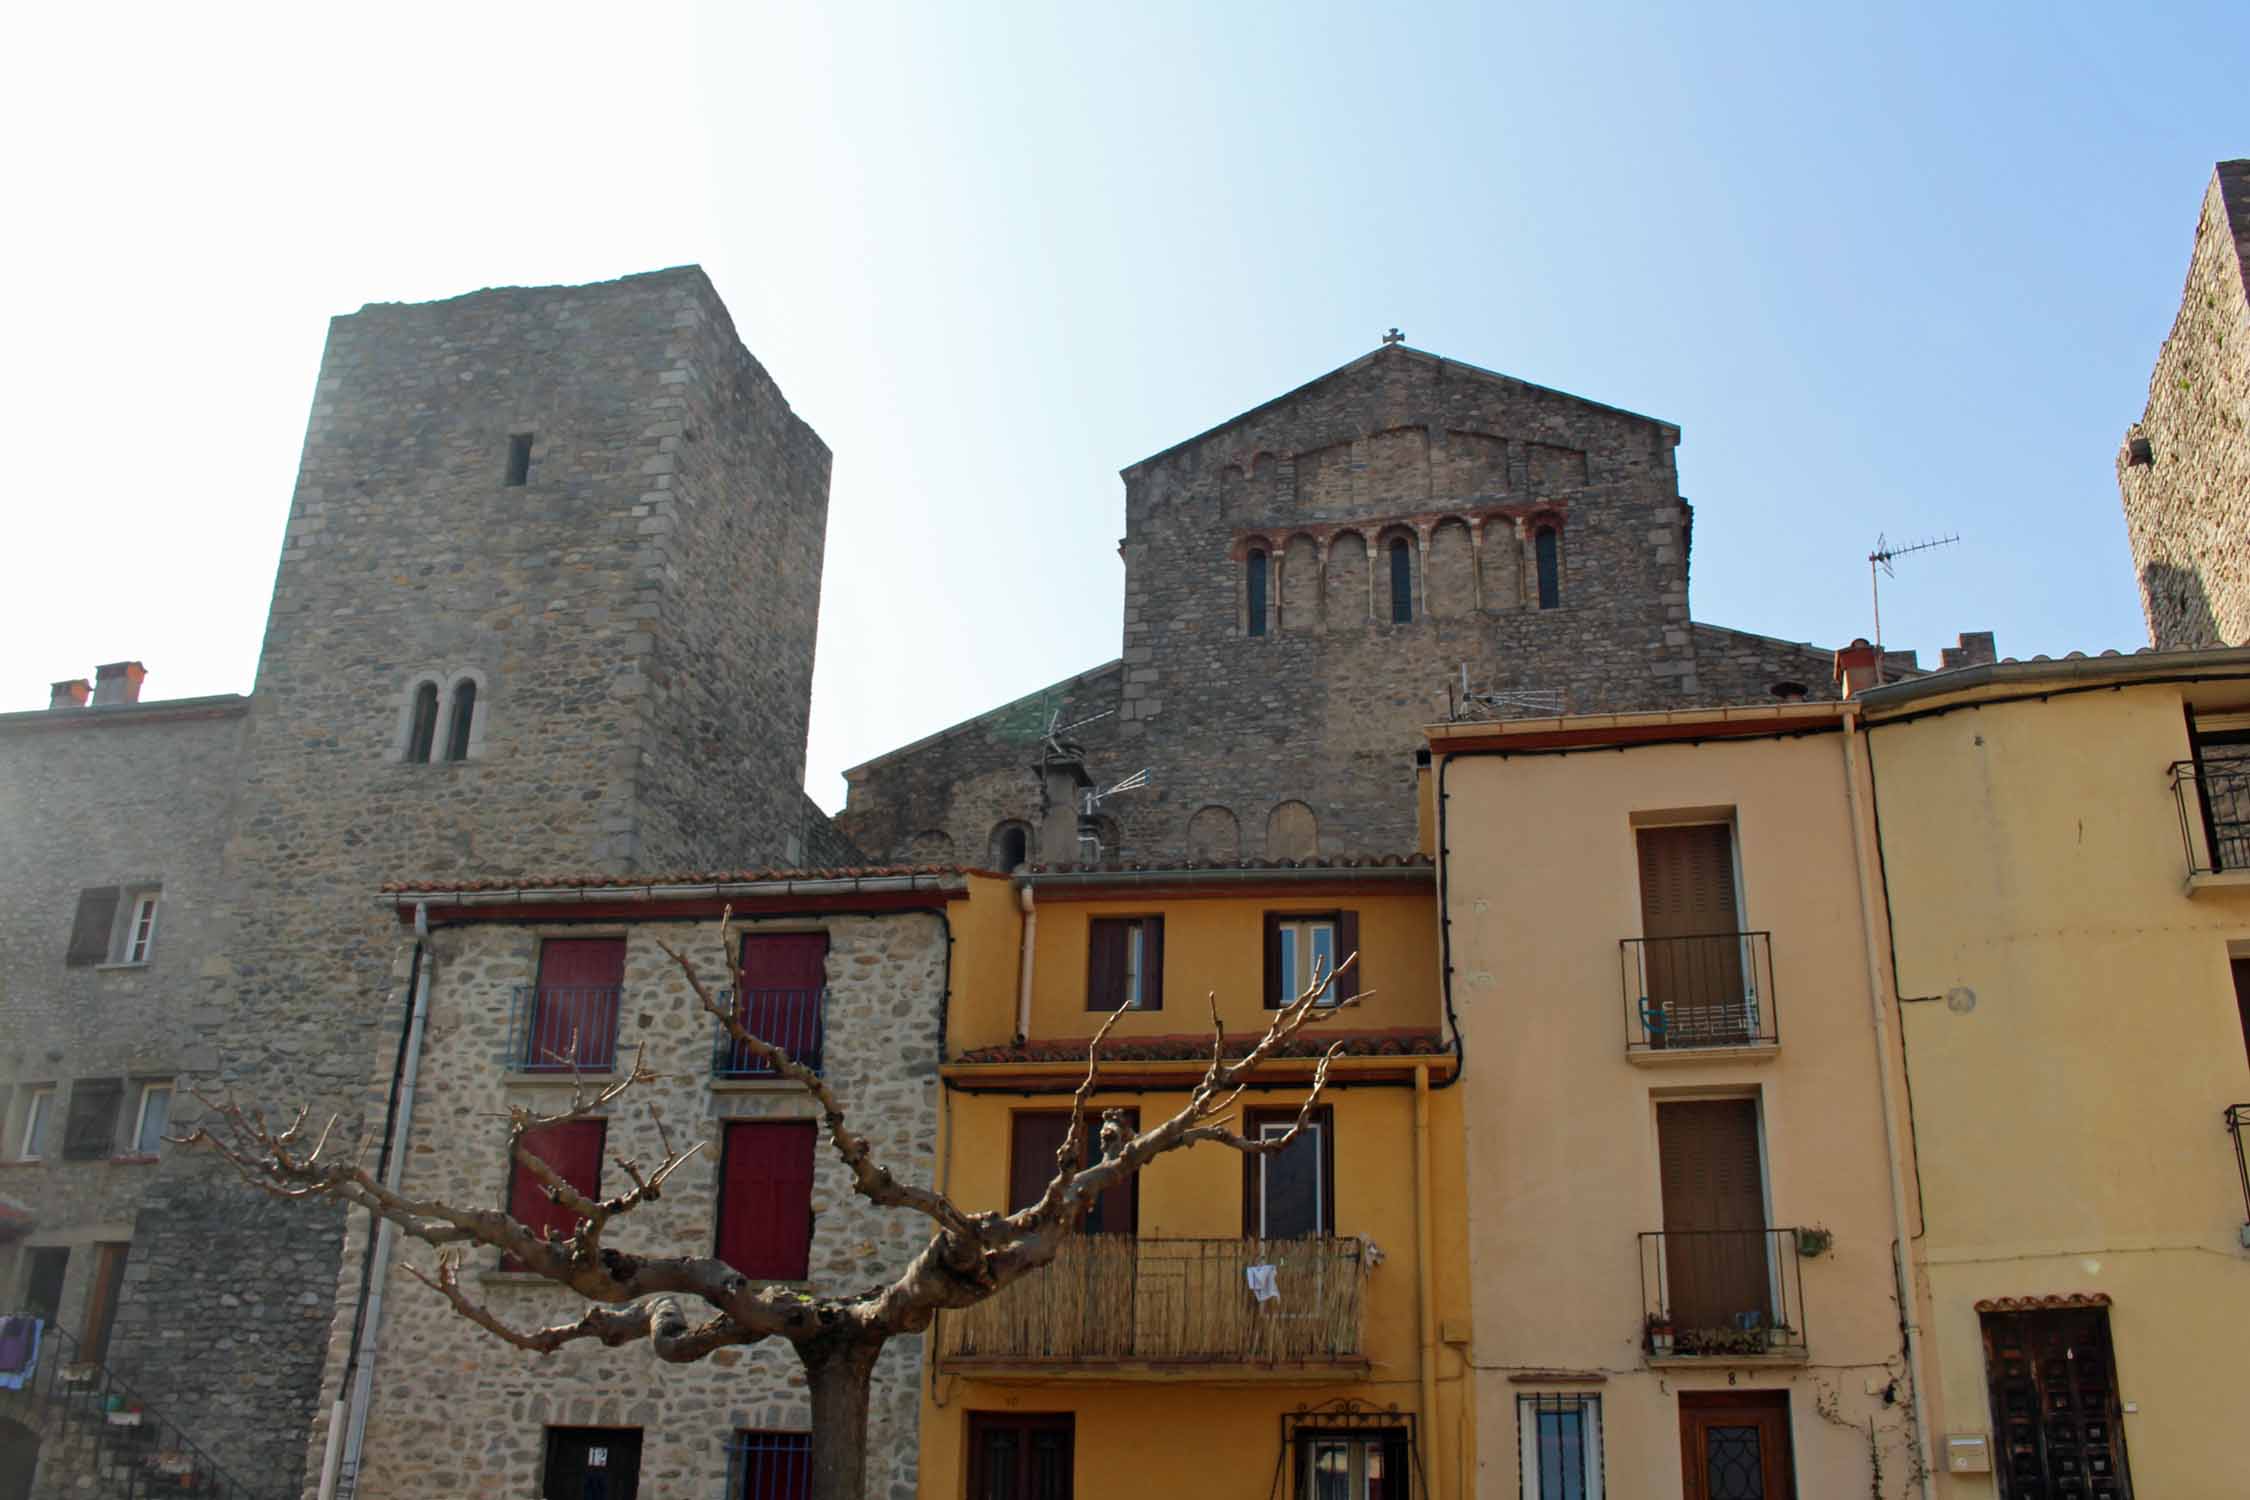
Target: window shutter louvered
1152, 963
1347, 943
765, 1199
1105, 963
574, 1150
90, 929
91, 1132
1273, 961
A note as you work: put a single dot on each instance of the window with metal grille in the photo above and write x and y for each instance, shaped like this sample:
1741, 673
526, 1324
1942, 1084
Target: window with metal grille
769, 1465
91, 1132
1559, 1443
1125, 963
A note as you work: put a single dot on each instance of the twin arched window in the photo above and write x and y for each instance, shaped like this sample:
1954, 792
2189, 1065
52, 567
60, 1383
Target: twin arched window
461, 724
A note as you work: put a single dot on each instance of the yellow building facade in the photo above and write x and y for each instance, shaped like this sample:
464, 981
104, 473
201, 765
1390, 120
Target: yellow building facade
2065, 846
1681, 1109
1280, 1325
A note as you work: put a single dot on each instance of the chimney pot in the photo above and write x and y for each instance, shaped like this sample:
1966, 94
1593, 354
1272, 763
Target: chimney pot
118, 682
1856, 668
71, 694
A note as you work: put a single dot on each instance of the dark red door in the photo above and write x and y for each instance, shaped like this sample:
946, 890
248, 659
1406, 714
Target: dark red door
783, 978
765, 1198
574, 1149
1020, 1456
575, 1015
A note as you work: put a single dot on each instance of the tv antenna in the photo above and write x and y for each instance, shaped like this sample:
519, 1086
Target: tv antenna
1461, 703
1880, 558
1089, 810
1060, 748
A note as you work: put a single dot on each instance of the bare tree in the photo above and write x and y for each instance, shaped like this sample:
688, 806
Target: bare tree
686, 1306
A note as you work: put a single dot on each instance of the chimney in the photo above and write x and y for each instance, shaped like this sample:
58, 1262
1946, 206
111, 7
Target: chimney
1062, 779
117, 683
1855, 669
1976, 650
71, 694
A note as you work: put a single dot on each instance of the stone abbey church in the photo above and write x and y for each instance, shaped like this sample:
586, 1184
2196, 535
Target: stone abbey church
547, 602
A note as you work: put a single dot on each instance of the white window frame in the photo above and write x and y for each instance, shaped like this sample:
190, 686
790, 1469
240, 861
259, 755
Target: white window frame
140, 1115
1304, 941
1267, 1131
38, 1115
138, 940
1136, 939
1589, 1435
1357, 1447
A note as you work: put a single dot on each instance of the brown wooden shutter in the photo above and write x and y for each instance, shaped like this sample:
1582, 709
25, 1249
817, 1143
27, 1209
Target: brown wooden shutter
90, 929
1711, 1182
1105, 962
1034, 1138
1152, 963
1687, 880
2242, 998
1347, 943
1273, 961
91, 1133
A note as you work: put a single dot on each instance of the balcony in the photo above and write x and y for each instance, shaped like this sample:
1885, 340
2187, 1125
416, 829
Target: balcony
796, 1021
2213, 795
1725, 1295
2238, 1123
1113, 1304
562, 1030
1688, 996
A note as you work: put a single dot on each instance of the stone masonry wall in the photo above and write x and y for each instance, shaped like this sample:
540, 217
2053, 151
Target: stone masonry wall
2184, 470
408, 551
115, 796
1253, 738
456, 1412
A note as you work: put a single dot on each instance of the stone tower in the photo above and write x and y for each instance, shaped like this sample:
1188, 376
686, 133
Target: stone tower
2184, 469
546, 603
1303, 584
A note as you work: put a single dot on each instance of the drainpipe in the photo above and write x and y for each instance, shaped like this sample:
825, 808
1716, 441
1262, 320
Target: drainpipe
1023, 969
1901, 1239
1424, 1289
354, 1423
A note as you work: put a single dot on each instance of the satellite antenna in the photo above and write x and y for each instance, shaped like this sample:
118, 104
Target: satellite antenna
1089, 809
1461, 703
1881, 558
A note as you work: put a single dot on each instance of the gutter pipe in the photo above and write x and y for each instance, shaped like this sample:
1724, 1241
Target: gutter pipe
1879, 1018
1023, 965
1425, 1289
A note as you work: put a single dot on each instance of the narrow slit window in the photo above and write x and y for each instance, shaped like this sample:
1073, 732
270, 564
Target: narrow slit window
1256, 587
458, 725
421, 731
1547, 551
1402, 583
519, 458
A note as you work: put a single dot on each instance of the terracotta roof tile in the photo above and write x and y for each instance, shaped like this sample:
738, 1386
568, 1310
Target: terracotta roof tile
1187, 1047
1166, 867
641, 881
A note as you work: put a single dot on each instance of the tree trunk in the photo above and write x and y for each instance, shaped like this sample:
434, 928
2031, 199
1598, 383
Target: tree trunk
841, 1375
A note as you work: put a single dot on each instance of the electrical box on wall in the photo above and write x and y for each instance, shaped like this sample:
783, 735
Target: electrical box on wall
1968, 1453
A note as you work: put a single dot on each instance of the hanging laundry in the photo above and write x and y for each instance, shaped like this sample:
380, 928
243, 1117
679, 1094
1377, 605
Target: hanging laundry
1261, 1279
19, 1351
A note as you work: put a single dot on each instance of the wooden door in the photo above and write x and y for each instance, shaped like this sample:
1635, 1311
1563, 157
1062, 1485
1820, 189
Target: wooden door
576, 1014
1734, 1445
1714, 1215
101, 1301
765, 1198
592, 1463
1020, 1456
783, 977
1691, 946
2055, 1410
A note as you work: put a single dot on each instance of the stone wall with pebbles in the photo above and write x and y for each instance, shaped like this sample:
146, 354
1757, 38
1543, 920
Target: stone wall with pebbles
457, 1412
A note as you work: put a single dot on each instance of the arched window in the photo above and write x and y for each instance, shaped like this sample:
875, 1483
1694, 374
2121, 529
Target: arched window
1402, 582
1255, 579
421, 730
1011, 846
462, 718
1547, 546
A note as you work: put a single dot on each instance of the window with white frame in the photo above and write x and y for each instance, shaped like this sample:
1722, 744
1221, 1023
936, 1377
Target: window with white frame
140, 929
114, 925
38, 1123
1559, 1440
1353, 1465
1301, 947
153, 1119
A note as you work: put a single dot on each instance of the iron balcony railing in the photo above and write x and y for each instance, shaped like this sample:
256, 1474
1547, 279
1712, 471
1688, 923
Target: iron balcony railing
131, 1449
1709, 990
1716, 1293
769, 1466
1116, 1299
2238, 1124
563, 1029
796, 1021
2213, 795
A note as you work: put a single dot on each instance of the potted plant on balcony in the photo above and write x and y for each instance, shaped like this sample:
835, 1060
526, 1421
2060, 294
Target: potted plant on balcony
1814, 1242
1659, 1331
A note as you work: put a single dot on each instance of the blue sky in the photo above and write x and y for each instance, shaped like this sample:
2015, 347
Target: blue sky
1900, 270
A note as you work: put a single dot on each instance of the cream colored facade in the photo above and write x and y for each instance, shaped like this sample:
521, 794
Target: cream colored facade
2074, 1037
1566, 1102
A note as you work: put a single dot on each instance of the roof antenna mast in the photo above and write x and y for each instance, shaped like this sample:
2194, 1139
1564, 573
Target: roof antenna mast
1880, 558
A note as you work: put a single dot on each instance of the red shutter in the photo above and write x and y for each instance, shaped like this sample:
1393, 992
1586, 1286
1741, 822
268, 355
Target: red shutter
1034, 1138
765, 1199
1152, 963
579, 980
574, 1150
1106, 940
783, 974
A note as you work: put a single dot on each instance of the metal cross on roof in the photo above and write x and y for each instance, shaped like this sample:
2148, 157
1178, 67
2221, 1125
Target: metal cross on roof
1394, 337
